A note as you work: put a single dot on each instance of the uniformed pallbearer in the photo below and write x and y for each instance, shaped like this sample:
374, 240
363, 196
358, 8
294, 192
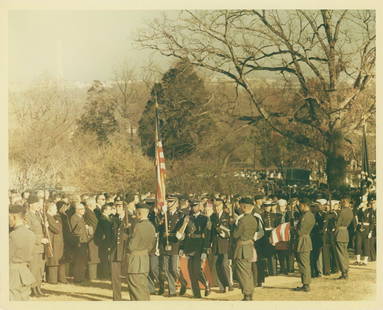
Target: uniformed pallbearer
304, 245
140, 244
342, 237
244, 250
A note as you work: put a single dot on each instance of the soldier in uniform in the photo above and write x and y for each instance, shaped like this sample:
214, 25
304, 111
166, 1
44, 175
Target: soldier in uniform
221, 243
155, 276
195, 246
342, 237
244, 250
363, 223
259, 267
57, 241
317, 242
81, 233
169, 248
117, 250
304, 245
372, 234
34, 221
269, 221
140, 244
21, 247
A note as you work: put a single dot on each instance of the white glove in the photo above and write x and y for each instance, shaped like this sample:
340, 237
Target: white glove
165, 208
203, 256
369, 235
181, 253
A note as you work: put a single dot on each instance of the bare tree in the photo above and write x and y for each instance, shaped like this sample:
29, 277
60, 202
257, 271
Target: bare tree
326, 56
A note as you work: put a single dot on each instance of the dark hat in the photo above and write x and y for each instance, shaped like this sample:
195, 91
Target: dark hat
150, 202
246, 200
305, 200
60, 204
142, 205
16, 209
259, 196
33, 199
372, 197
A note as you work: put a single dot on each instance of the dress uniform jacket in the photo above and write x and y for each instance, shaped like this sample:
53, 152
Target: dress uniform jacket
119, 237
57, 239
220, 233
304, 228
140, 244
175, 221
196, 238
345, 218
21, 247
244, 234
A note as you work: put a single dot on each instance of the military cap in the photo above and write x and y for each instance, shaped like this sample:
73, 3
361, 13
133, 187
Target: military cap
142, 205
259, 196
305, 200
16, 209
33, 199
372, 197
194, 202
246, 200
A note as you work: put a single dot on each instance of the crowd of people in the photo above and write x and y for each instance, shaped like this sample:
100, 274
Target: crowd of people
242, 240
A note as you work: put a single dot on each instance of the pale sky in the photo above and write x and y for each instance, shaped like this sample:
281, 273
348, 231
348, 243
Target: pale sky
93, 43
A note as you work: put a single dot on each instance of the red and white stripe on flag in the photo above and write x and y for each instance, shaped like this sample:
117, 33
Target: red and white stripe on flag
280, 233
161, 174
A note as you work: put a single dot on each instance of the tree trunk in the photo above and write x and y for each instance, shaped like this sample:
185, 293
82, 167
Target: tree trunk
335, 162
336, 170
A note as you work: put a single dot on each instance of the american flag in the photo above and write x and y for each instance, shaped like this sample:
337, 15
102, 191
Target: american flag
280, 233
160, 167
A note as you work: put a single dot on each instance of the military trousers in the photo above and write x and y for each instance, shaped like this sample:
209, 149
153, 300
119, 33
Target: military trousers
36, 266
155, 279
372, 248
172, 272
138, 286
223, 269
283, 258
244, 275
362, 243
303, 260
342, 256
258, 270
80, 262
116, 279
196, 274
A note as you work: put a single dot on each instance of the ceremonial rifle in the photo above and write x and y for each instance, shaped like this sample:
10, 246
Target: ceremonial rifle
45, 228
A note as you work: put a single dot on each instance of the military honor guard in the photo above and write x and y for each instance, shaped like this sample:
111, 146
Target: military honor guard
304, 245
140, 244
341, 236
244, 252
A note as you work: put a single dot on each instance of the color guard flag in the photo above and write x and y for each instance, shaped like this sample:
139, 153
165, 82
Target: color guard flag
160, 167
280, 233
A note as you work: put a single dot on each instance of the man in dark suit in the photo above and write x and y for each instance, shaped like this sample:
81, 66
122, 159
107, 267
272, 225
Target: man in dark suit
304, 244
244, 253
91, 220
169, 247
103, 239
221, 243
140, 244
341, 236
